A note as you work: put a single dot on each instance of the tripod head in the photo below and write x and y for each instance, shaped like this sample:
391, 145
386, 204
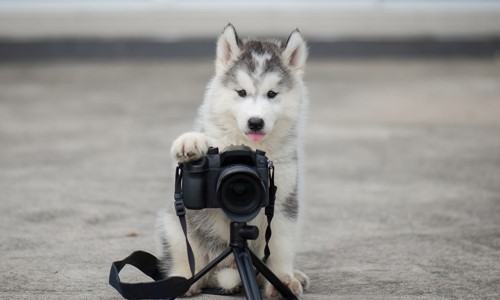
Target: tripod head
241, 232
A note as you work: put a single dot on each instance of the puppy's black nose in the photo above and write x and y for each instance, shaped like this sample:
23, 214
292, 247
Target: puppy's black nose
255, 124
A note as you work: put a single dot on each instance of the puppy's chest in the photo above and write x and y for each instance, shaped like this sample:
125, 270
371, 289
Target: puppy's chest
286, 177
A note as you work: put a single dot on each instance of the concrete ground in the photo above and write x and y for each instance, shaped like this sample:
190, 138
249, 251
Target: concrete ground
403, 174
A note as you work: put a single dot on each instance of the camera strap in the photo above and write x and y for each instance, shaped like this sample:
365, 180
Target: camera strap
180, 210
173, 287
270, 211
160, 288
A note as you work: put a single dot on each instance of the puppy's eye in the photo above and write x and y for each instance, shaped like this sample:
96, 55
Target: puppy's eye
242, 93
271, 94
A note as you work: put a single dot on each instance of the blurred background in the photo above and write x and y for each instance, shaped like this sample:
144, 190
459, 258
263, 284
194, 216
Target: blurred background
154, 28
402, 141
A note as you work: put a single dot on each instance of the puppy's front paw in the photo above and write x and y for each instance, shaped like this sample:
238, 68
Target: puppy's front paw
290, 281
302, 278
189, 146
228, 279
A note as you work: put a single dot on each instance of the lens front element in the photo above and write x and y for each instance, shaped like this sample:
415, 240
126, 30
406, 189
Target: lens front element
240, 193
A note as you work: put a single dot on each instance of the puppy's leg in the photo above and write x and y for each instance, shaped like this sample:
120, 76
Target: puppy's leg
211, 229
174, 260
228, 279
282, 257
187, 147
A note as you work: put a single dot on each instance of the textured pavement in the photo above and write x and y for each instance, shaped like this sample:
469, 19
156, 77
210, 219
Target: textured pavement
403, 174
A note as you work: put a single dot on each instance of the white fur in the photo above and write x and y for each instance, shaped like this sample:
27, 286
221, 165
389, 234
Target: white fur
222, 121
228, 279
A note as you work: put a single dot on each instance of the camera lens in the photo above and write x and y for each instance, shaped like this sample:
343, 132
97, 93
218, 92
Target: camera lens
240, 193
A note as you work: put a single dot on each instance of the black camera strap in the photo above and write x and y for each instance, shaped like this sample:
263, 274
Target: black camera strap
173, 287
270, 211
160, 288
180, 210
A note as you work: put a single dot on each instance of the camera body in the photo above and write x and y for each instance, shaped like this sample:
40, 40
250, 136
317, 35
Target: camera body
235, 180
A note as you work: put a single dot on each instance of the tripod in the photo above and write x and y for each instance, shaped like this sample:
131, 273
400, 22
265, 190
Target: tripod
240, 232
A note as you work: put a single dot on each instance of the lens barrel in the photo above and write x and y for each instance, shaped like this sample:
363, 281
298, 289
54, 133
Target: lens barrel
240, 192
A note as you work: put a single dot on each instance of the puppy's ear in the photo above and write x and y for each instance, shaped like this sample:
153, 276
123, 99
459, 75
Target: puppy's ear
295, 52
228, 48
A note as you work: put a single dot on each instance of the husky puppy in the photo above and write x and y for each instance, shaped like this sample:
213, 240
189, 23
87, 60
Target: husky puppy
256, 98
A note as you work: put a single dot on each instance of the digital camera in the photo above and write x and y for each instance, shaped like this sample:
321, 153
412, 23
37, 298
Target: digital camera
235, 180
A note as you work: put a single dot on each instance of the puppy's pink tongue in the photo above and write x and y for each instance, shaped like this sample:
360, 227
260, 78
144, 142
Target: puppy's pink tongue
256, 137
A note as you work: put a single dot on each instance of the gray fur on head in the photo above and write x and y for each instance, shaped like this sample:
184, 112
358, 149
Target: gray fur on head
230, 48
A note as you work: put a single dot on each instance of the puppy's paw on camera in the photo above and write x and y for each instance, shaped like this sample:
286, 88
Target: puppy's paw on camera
189, 147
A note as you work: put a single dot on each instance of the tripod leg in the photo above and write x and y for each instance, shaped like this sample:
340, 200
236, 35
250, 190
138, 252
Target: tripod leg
273, 279
212, 264
247, 274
